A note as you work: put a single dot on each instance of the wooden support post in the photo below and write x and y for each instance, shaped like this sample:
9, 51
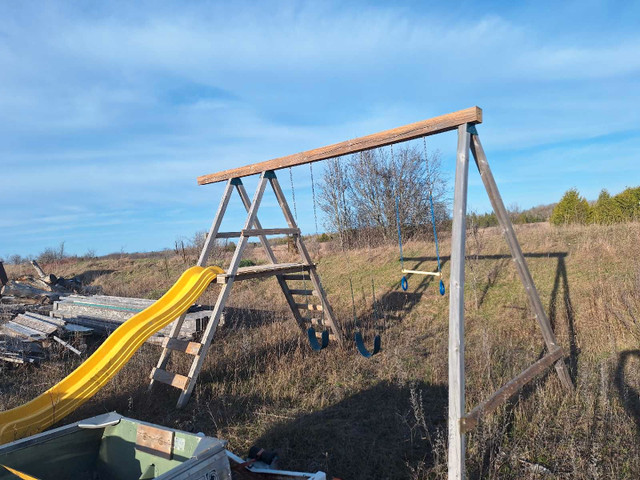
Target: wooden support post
215, 225
202, 261
516, 252
313, 274
272, 257
456, 453
209, 332
509, 389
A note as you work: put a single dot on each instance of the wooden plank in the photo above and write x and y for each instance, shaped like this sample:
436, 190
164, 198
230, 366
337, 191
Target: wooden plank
45, 328
174, 379
470, 421
228, 234
45, 318
184, 346
24, 331
516, 252
456, 453
306, 293
254, 232
67, 345
156, 441
309, 306
296, 277
423, 128
259, 271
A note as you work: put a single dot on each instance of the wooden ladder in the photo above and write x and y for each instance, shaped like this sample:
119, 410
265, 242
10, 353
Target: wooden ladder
304, 271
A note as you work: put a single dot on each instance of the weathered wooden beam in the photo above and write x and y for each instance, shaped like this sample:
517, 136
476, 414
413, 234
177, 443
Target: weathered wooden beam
470, 420
456, 453
184, 346
432, 126
174, 379
255, 232
516, 252
67, 345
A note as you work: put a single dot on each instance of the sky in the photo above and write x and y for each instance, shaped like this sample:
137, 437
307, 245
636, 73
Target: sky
109, 111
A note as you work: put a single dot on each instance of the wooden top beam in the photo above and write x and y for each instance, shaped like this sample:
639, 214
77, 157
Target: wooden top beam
432, 126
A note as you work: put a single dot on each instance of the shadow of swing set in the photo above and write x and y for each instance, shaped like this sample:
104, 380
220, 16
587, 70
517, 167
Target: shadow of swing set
308, 300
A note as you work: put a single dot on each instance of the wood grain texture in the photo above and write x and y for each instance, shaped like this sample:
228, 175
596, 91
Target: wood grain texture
516, 252
155, 441
174, 379
456, 452
509, 389
432, 126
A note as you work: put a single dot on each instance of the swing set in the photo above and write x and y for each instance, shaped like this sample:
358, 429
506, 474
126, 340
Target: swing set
319, 312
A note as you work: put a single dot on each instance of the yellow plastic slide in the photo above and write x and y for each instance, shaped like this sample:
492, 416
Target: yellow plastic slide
81, 384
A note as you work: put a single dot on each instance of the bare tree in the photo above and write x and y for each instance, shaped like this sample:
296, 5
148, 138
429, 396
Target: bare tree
333, 199
367, 186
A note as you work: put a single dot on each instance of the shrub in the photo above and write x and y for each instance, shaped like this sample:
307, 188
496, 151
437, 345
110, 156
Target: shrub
605, 211
572, 208
247, 262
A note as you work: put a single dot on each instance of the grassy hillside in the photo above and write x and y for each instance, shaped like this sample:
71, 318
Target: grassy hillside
386, 417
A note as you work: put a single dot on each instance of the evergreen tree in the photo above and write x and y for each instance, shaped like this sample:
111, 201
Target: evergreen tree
605, 211
628, 203
572, 208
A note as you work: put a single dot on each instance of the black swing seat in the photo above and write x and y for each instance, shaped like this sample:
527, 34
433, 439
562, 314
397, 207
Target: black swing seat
362, 349
313, 339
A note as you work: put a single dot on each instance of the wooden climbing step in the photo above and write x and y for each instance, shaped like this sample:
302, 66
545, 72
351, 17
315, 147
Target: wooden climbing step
309, 306
174, 379
306, 293
184, 346
258, 271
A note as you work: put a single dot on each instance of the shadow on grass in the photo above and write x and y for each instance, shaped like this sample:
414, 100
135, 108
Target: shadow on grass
376, 433
629, 396
561, 282
91, 275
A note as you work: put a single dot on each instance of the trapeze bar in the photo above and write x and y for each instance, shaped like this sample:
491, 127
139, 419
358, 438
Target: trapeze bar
419, 272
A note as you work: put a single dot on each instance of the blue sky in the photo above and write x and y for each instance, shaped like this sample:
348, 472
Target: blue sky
110, 110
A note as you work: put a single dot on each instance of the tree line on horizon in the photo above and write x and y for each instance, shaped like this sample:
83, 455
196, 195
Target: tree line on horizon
606, 210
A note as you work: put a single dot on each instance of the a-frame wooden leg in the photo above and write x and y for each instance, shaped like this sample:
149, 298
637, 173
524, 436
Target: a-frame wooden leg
456, 454
313, 275
269, 252
516, 252
209, 332
202, 261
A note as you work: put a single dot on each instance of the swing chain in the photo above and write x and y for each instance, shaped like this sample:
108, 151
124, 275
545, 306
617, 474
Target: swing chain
313, 194
293, 195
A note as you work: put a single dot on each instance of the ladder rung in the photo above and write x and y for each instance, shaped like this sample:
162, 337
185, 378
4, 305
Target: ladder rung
296, 276
319, 336
311, 293
184, 346
309, 306
174, 379
254, 232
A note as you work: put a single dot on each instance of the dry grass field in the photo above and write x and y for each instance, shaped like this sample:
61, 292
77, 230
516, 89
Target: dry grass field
386, 417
